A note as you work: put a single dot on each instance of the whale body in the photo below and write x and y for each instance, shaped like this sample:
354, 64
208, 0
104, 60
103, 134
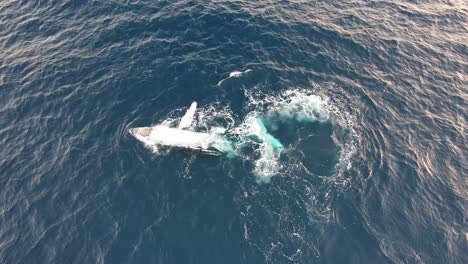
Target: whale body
182, 138
207, 143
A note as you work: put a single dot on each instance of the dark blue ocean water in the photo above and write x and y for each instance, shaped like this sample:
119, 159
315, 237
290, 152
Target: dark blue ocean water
383, 180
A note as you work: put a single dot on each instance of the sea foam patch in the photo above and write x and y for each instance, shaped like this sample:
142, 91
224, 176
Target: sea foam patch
292, 108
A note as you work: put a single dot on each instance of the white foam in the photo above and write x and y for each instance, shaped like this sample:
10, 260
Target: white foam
252, 131
299, 105
305, 106
238, 73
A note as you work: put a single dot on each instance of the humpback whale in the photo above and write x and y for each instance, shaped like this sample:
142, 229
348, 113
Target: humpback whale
182, 138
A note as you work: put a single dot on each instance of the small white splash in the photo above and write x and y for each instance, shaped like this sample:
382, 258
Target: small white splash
238, 73
218, 130
234, 74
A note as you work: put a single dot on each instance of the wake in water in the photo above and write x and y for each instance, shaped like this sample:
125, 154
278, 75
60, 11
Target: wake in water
259, 138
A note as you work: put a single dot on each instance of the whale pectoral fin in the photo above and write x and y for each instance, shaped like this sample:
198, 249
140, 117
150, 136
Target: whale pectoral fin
187, 119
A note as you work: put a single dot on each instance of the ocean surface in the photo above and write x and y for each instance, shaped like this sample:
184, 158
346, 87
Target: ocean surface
374, 170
